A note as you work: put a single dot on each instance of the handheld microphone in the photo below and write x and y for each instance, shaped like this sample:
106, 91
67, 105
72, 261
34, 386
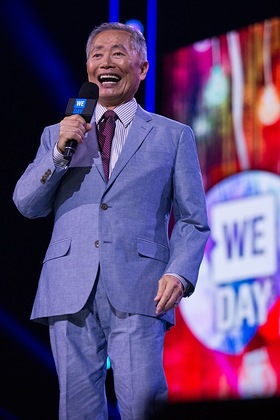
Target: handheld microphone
83, 105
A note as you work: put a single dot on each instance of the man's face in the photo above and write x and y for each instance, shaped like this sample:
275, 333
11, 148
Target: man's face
115, 67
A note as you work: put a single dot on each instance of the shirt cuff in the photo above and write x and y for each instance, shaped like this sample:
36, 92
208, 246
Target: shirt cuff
58, 158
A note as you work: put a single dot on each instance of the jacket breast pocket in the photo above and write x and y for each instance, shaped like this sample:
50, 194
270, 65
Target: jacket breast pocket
153, 250
58, 249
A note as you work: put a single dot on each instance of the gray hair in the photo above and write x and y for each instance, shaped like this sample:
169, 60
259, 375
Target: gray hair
137, 38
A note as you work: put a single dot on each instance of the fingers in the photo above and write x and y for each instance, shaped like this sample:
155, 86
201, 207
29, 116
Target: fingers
169, 295
73, 127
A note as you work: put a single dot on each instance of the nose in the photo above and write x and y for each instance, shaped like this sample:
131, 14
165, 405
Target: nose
107, 61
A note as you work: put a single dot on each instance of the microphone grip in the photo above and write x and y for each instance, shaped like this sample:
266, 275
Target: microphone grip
70, 149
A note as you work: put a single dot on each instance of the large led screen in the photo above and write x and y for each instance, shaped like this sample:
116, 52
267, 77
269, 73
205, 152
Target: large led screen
227, 340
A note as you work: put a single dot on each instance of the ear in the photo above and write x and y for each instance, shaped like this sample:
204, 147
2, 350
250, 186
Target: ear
144, 70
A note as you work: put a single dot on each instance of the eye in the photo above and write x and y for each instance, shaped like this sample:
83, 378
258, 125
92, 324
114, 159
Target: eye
96, 55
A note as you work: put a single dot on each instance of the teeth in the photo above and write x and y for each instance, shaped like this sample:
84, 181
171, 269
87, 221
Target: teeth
109, 78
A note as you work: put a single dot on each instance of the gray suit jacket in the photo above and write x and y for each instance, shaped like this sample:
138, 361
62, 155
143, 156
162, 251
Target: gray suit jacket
121, 226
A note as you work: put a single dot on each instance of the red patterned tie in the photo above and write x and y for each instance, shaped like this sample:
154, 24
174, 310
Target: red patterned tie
105, 136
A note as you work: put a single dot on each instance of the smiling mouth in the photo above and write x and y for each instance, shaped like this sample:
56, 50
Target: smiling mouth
108, 78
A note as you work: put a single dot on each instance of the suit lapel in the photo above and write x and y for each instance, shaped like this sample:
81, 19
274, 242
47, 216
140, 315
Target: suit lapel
93, 149
139, 130
88, 153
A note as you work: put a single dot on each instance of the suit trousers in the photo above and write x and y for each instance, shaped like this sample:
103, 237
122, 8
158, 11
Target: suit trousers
81, 343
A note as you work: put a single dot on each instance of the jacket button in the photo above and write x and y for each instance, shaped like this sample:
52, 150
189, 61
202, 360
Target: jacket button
96, 244
104, 206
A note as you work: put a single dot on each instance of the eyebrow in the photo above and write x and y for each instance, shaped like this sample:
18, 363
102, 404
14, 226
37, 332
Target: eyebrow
115, 46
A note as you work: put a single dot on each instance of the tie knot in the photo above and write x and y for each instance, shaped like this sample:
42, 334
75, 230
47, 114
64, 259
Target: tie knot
110, 114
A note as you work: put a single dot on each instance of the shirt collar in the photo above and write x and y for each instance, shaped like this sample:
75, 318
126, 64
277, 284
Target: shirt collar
125, 112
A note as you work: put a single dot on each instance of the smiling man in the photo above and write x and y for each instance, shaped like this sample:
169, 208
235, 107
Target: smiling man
112, 278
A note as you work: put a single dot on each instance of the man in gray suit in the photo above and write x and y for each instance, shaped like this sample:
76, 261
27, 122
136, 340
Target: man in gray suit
111, 277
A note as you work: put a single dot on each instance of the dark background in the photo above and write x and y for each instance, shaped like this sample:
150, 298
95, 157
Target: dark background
29, 387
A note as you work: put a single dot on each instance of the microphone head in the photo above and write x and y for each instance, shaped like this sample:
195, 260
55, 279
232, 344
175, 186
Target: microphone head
89, 90
85, 103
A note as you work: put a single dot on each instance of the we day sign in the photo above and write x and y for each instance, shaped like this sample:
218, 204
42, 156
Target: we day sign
239, 274
230, 325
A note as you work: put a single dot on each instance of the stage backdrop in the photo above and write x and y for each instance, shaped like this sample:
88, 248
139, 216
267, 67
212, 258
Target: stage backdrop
227, 340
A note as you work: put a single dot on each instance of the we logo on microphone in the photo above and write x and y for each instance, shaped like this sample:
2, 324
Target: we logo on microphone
79, 106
